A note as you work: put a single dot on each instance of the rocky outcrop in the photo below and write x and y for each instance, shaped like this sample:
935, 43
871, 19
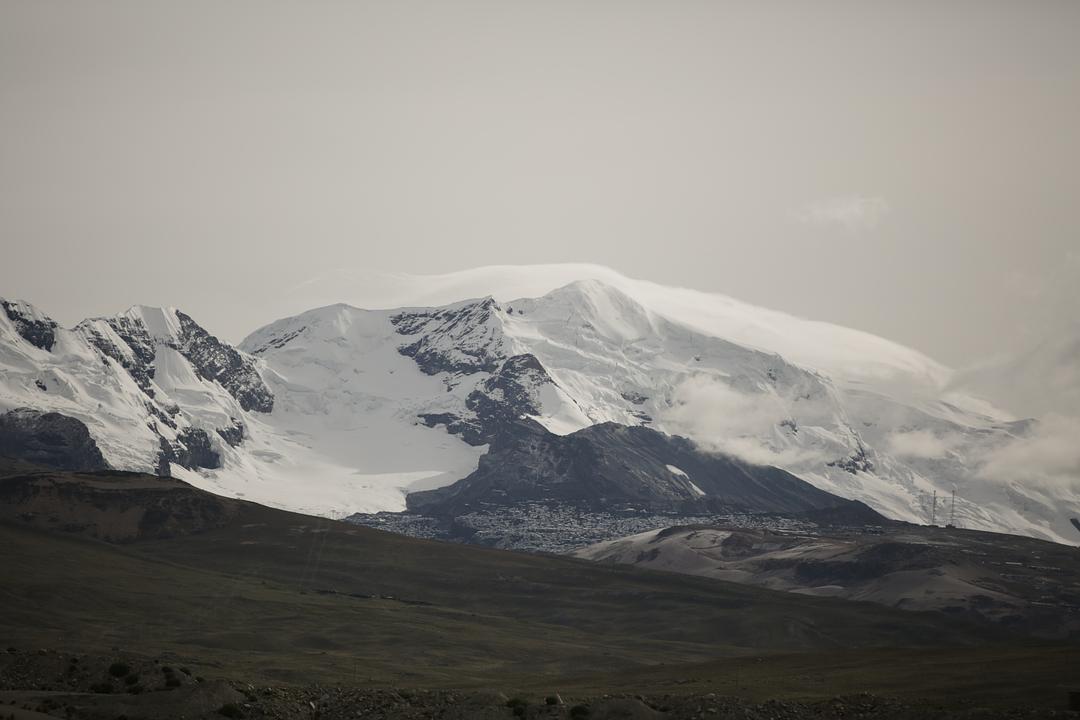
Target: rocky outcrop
615, 467
191, 449
220, 362
113, 506
511, 392
233, 434
138, 355
858, 461
35, 328
50, 439
459, 339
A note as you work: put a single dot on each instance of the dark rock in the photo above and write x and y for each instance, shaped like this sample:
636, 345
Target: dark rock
161, 415
468, 429
233, 434
509, 394
457, 340
139, 361
858, 461
50, 439
217, 361
41, 333
610, 467
278, 341
191, 449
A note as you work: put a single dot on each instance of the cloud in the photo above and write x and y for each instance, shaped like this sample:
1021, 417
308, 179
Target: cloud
722, 419
1048, 456
923, 444
854, 213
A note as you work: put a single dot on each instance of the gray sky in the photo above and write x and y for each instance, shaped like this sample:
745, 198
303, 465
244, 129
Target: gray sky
907, 168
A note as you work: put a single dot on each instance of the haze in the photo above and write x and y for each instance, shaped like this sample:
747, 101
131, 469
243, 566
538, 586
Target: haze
910, 169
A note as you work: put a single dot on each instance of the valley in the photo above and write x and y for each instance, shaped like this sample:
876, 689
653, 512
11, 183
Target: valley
260, 598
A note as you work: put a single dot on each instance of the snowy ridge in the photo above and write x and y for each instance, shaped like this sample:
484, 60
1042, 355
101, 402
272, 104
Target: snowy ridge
846, 354
143, 401
339, 410
610, 358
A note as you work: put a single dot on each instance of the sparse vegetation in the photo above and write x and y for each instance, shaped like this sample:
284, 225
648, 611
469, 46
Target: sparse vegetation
119, 669
541, 623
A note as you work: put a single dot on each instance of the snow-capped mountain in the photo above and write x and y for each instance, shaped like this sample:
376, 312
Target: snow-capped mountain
609, 466
340, 409
152, 387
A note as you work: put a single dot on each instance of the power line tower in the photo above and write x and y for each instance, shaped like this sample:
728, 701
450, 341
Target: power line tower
933, 510
952, 511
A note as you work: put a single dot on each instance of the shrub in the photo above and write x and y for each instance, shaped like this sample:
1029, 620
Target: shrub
132, 679
518, 705
101, 687
172, 682
231, 710
579, 712
551, 700
119, 669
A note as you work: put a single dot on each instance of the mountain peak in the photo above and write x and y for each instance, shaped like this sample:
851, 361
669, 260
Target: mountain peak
163, 323
34, 326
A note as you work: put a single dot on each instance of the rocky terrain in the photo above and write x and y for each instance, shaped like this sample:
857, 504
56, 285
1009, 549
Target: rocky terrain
611, 467
50, 683
371, 407
50, 439
146, 390
111, 506
554, 528
1025, 584
135, 595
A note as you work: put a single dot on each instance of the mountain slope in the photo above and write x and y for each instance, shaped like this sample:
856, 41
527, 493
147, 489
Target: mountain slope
846, 354
1022, 583
341, 410
610, 466
589, 353
200, 574
154, 390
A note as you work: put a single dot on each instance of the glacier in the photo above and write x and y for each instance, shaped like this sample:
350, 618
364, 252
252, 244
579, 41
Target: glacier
343, 409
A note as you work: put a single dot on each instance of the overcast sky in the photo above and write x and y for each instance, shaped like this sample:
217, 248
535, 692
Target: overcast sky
907, 168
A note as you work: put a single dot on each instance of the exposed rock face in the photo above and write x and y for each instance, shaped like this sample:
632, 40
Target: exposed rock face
509, 394
611, 466
113, 506
36, 329
857, 462
215, 360
49, 439
137, 358
127, 340
233, 434
459, 339
192, 450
